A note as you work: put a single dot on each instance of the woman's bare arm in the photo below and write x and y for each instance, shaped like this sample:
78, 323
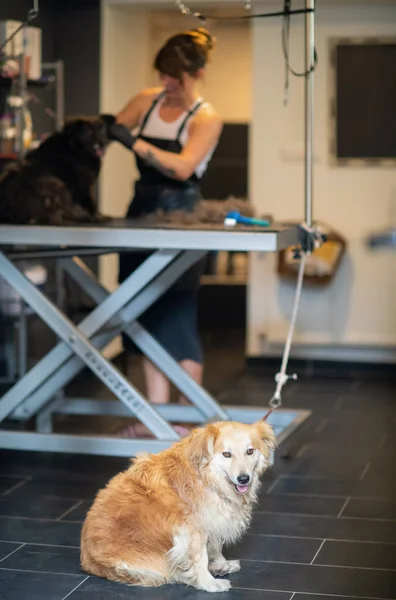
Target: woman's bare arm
132, 112
205, 130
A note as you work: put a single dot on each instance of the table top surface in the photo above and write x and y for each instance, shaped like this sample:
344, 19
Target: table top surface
141, 233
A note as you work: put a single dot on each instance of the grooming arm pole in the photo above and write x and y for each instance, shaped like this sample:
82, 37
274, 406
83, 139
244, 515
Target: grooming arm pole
309, 106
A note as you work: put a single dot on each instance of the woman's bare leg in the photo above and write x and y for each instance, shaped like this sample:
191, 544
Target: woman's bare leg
195, 370
158, 392
157, 385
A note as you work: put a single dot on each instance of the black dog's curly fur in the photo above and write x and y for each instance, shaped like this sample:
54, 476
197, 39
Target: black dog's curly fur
53, 184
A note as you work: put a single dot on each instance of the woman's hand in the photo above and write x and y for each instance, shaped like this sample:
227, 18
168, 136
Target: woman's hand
118, 132
204, 133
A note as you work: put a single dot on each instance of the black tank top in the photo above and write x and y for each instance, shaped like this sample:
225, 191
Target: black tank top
148, 174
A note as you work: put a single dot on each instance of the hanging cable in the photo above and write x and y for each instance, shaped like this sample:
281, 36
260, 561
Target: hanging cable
185, 10
286, 13
285, 49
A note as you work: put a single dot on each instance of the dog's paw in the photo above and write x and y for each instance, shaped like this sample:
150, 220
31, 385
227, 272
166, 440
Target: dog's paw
233, 566
217, 585
225, 568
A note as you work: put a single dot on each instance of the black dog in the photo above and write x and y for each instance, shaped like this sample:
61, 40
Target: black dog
53, 184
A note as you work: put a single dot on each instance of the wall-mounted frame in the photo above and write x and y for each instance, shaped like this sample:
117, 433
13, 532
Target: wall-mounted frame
362, 101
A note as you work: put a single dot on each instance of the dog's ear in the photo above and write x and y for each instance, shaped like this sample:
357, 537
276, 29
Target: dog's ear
266, 437
200, 445
72, 127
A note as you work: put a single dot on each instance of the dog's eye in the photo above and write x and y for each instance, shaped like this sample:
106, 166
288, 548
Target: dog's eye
250, 451
227, 454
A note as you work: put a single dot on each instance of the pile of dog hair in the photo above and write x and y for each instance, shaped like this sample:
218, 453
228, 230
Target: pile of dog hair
207, 211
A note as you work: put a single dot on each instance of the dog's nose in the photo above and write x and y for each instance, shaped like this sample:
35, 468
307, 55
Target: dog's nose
243, 479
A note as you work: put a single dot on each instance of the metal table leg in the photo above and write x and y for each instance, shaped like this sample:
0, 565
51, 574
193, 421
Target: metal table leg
89, 326
81, 346
149, 346
72, 366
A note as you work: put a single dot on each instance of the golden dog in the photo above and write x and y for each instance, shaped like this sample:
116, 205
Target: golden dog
166, 518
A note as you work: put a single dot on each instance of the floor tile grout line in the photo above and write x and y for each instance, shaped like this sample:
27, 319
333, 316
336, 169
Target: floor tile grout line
302, 450
339, 403
353, 568
55, 497
42, 572
15, 487
383, 441
243, 560
365, 470
13, 552
16, 476
343, 507
309, 593
39, 519
317, 552
268, 535
38, 544
272, 486
315, 516
77, 586
257, 512
330, 496
305, 477
320, 428
317, 538
313, 564
234, 587
67, 512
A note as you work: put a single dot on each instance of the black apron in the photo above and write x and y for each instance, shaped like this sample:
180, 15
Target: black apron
154, 191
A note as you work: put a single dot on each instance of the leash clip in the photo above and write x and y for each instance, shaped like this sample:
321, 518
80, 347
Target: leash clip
281, 379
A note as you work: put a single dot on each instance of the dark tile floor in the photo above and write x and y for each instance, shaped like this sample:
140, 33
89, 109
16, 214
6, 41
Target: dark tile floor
325, 527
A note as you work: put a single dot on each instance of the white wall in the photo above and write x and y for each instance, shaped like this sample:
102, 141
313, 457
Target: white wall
359, 307
124, 35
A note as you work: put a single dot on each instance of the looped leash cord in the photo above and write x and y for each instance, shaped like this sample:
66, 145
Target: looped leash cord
282, 378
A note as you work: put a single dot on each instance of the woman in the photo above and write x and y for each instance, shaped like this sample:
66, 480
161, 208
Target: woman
177, 132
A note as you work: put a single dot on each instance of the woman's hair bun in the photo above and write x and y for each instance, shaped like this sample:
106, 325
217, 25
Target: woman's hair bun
203, 37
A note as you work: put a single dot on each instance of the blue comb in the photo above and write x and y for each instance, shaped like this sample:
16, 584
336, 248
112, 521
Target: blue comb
235, 217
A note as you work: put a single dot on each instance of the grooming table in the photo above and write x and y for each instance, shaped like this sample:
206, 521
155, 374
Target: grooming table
39, 393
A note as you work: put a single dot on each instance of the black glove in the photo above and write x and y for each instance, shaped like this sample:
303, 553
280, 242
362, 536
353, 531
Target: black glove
118, 132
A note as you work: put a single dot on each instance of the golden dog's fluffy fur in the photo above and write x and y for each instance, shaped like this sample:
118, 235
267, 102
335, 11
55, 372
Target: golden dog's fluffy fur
166, 518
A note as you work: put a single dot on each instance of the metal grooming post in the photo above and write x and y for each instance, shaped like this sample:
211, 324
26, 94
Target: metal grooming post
309, 106
310, 57
23, 94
